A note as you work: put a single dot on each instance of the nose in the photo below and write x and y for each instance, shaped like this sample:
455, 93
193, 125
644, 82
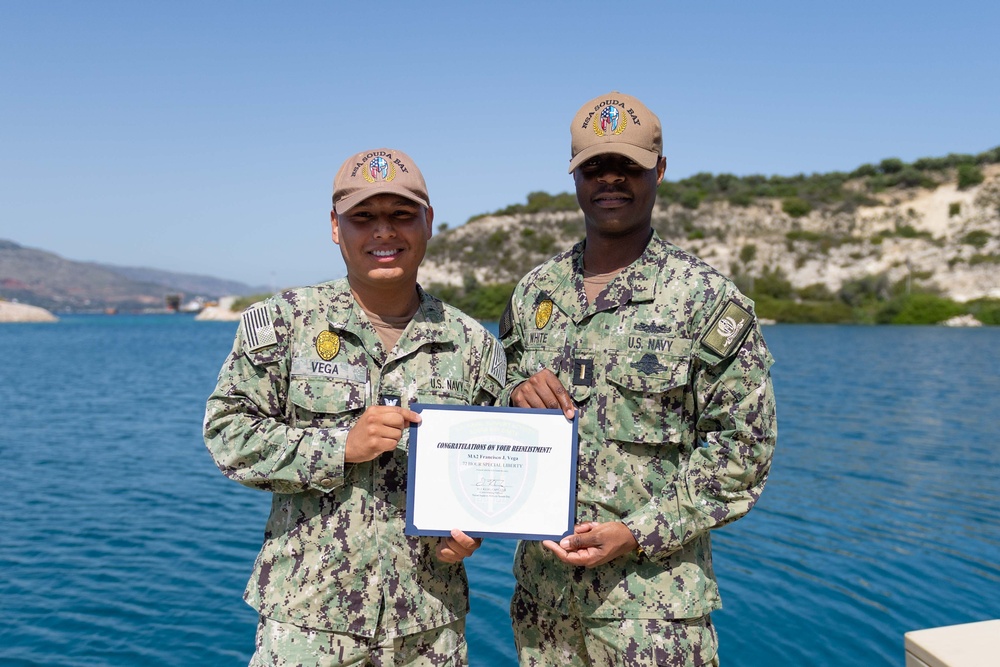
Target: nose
383, 228
611, 172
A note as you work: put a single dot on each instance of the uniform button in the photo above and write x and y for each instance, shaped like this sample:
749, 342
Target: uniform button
326, 482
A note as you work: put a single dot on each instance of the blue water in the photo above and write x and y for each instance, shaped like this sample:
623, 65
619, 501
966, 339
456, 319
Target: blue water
121, 544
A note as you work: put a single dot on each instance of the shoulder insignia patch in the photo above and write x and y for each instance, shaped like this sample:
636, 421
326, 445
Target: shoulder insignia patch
498, 363
728, 329
258, 330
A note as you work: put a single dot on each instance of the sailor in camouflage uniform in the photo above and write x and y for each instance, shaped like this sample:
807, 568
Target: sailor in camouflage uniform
665, 362
312, 405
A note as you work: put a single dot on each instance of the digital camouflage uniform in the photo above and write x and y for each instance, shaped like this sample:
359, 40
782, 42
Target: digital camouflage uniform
670, 375
304, 367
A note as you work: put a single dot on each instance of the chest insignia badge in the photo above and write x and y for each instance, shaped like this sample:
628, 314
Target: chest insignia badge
649, 364
543, 313
327, 345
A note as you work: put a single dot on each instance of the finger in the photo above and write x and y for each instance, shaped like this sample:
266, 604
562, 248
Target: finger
526, 396
394, 415
409, 416
579, 541
553, 393
580, 558
463, 543
446, 554
584, 558
556, 549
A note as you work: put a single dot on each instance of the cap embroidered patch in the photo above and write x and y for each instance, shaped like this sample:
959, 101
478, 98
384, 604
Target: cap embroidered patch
258, 331
611, 122
542, 313
327, 345
728, 329
379, 169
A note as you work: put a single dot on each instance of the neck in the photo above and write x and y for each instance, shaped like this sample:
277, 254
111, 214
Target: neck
604, 254
393, 303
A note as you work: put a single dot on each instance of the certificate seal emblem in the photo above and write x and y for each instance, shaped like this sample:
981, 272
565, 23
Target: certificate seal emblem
494, 483
327, 345
543, 313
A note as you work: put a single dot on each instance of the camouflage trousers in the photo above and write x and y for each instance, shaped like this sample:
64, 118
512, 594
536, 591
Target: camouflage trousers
545, 637
286, 645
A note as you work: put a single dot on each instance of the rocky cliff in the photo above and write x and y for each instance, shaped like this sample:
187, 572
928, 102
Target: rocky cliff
941, 238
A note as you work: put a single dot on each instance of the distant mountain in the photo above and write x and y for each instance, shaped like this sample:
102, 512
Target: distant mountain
187, 283
45, 279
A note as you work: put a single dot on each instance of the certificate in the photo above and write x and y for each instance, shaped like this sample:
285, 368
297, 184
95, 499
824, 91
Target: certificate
491, 472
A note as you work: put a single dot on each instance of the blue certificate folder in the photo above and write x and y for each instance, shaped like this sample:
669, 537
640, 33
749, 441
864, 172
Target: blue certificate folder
491, 472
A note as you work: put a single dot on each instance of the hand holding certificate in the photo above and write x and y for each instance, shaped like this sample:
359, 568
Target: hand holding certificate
491, 472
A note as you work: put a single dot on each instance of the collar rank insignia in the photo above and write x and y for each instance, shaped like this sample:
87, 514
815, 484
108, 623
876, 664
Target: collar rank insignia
649, 364
258, 330
327, 345
583, 372
543, 313
728, 330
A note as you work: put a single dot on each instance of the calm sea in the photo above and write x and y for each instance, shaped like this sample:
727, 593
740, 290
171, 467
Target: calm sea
121, 543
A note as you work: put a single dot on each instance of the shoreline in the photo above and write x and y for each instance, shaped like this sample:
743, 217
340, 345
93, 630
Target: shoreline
22, 312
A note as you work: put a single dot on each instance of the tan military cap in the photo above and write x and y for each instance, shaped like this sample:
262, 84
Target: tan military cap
375, 172
616, 123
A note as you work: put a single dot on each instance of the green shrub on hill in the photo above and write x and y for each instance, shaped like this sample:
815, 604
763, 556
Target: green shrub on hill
241, 303
824, 190
788, 311
538, 202
483, 302
985, 310
795, 206
918, 308
969, 175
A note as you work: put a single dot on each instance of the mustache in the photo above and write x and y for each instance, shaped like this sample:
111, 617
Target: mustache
611, 191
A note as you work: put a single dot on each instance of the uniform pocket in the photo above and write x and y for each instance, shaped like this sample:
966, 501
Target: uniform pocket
326, 403
648, 399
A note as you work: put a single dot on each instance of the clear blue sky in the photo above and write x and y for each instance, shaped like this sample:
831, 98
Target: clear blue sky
203, 137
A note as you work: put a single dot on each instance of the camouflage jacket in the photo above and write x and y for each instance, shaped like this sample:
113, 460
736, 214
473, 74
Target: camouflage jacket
304, 367
671, 376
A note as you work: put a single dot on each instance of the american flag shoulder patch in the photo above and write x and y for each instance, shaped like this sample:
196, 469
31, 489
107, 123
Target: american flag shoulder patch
258, 330
498, 363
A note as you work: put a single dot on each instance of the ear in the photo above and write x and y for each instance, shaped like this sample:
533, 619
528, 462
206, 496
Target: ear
429, 213
661, 168
334, 227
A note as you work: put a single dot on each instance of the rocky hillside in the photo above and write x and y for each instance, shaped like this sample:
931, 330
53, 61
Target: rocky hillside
936, 236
